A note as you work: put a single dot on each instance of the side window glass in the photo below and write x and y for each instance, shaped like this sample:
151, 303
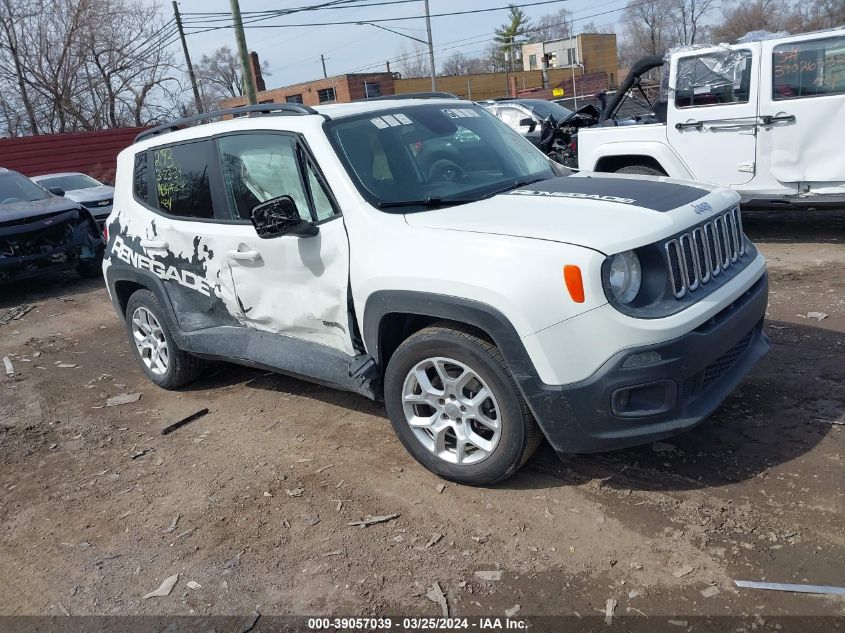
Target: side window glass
512, 116
182, 175
322, 205
713, 80
258, 168
808, 69
140, 178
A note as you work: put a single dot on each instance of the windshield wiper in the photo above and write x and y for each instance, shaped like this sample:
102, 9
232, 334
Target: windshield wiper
428, 203
515, 184
433, 203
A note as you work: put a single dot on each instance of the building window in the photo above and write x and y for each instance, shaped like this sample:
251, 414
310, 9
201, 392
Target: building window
293, 99
532, 62
325, 95
372, 90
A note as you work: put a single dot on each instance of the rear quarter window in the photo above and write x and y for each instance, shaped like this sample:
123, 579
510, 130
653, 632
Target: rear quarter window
182, 175
140, 178
808, 69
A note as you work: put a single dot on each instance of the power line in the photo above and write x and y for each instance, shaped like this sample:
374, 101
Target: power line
466, 41
326, 6
395, 19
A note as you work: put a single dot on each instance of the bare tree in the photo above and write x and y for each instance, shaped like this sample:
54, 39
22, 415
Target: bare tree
84, 64
552, 26
648, 30
219, 75
413, 64
688, 18
752, 15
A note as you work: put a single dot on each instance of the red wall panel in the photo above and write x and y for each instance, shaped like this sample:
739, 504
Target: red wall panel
92, 153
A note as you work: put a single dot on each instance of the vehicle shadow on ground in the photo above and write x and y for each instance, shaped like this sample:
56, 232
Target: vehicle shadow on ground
782, 410
65, 284
795, 225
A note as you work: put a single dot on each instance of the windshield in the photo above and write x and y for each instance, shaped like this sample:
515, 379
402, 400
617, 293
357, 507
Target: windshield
16, 188
69, 182
544, 108
434, 153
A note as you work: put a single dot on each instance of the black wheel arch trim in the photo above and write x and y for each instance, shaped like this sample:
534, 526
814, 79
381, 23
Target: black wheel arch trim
474, 313
116, 273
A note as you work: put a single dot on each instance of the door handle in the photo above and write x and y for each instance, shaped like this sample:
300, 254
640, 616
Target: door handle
244, 256
779, 118
156, 244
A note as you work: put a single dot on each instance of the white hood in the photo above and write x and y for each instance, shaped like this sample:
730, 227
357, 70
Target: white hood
606, 212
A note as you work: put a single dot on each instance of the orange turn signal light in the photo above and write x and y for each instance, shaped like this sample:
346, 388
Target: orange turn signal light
574, 282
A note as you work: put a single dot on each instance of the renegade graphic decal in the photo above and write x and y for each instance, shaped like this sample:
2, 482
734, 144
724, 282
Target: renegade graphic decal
161, 270
566, 194
647, 193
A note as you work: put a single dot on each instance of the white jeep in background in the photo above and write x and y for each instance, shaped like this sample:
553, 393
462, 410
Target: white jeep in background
765, 118
421, 252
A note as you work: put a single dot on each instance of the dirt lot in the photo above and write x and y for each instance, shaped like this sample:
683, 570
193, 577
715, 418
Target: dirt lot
264, 485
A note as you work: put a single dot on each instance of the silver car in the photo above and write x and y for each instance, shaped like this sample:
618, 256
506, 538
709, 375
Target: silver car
90, 193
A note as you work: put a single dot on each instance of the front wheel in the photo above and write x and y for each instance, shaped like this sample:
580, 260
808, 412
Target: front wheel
456, 408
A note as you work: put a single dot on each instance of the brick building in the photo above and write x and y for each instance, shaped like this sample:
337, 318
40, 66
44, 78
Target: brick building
340, 89
586, 53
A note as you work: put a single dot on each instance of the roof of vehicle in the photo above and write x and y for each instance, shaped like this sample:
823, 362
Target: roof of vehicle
57, 175
212, 123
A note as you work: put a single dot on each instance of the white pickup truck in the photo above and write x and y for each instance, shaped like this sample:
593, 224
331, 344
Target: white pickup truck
766, 118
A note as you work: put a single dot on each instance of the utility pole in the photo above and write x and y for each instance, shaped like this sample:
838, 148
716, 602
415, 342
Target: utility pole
573, 52
323, 61
191, 74
430, 49
246, 71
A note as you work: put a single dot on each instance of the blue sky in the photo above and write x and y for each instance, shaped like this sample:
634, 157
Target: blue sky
293, 54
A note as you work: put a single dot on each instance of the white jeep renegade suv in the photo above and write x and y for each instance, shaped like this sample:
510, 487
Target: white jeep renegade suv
421, 252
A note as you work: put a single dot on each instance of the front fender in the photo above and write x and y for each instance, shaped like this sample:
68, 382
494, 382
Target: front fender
661, 152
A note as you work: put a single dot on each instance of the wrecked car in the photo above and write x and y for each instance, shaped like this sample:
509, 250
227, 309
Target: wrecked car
41, 232
420, 252
771, 110
87, 191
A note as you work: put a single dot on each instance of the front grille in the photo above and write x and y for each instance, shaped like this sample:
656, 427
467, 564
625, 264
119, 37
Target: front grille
40, 242
715, 370
697, 256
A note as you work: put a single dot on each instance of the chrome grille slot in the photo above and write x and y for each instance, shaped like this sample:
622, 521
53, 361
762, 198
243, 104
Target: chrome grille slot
691, 270
712, 237
696, 257
702, 251
676, 268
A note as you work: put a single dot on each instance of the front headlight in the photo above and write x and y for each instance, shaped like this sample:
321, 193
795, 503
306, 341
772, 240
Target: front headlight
626, 276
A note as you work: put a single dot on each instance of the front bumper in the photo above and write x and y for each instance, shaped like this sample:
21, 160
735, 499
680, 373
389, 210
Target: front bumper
665, 389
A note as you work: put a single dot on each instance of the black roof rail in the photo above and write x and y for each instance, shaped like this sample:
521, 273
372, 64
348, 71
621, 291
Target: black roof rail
414, 95
250, 110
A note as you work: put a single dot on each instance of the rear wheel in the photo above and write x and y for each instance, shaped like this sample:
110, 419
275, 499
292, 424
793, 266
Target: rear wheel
642, 170
152, 343
456, 408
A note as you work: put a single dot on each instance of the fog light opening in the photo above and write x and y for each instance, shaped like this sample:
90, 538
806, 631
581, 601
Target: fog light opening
645, 400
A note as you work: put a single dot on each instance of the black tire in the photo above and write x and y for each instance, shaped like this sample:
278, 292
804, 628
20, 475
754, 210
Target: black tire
641, 170
520, 434
183, 368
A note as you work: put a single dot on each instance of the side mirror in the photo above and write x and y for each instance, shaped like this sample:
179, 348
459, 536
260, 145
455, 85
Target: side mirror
57, 191
280, 216
528, 122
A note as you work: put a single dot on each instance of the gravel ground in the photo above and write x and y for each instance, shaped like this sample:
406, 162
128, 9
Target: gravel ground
253, 500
